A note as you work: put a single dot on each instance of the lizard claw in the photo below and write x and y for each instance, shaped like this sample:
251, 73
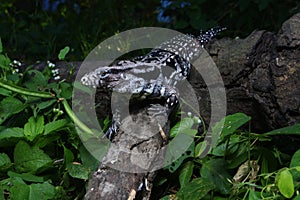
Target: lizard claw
112, 130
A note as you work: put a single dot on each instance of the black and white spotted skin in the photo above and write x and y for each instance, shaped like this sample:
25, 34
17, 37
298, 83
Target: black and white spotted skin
150, 76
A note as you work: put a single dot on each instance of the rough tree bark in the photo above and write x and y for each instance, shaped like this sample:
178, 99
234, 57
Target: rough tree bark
261, 74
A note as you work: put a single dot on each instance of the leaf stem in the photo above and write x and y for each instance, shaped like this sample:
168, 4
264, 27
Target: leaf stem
25, 91
75, 119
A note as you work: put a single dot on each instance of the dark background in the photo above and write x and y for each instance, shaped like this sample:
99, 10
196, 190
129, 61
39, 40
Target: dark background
34, 30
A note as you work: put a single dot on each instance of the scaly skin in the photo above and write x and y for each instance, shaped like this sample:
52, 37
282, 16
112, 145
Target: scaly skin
148, 77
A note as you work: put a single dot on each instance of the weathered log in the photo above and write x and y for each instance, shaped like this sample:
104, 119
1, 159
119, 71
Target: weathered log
128, 169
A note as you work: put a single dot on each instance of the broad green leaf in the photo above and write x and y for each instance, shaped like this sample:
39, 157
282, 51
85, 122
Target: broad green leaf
184, 124
180, 148
55, 126
285, 183
201, 149
289, 130
32, 192
26, 177
34, 127
12, 132
29, 159
230, 124
76, 170
186, 173
5, 162
62, 54
41, 191
10, 106
196, 189
10, 136
214, 171
19, 191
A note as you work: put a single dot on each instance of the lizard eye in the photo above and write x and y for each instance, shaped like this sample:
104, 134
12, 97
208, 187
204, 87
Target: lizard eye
104, 73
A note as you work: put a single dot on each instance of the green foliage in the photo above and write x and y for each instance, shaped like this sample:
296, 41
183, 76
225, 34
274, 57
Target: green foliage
41, 156
62, 54
239, 166
34, 33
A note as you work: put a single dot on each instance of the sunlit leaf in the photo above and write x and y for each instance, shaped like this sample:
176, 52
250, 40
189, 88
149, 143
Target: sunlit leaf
62, 54
285, 183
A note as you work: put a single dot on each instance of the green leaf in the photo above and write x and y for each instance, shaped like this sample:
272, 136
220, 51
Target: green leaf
5, 162
34, 127
285, 183
295, 159
214, 171
297, 197
186, 173
76, 170
19, 191
26, 177
230, 124
200, 148
29, 159
66, 90
62, 54
5, 92
35, 80
10, 136
295, 163
10, 106
55, 126
4, 62
254, 195
32, 192
228, 148
68, 155
46, 104
196, 189
87, 159
185, 123
180, 148
1, 47
41, 191
289, 130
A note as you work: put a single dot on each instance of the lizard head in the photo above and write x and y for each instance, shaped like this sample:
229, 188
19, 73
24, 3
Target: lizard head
105, 77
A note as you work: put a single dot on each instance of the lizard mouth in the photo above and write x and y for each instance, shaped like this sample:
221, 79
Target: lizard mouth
110, 81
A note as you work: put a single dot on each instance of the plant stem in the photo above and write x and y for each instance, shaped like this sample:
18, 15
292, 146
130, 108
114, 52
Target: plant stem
75, 119
25, 91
